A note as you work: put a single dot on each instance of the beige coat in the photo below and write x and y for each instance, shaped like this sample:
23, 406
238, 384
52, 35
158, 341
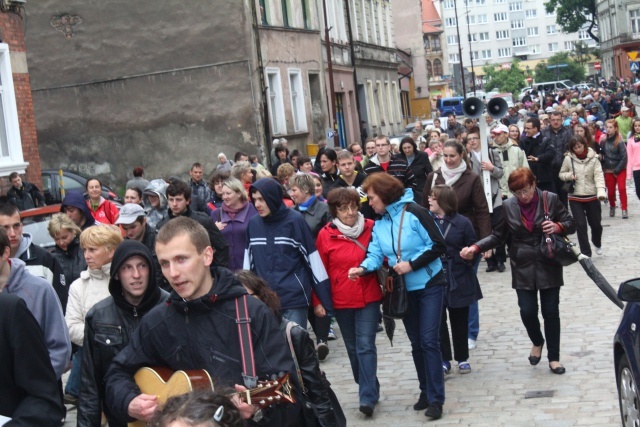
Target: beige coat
588, 172
90, 288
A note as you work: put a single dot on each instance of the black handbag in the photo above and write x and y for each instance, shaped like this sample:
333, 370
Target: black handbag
569, 186
396, 301
556, 247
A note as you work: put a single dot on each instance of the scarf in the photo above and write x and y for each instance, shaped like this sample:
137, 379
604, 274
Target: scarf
528, 211
352, 232
636, 137
304, 206
451, 176
232, 212
582, 155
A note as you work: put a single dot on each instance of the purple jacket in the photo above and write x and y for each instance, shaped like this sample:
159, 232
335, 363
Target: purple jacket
235, 233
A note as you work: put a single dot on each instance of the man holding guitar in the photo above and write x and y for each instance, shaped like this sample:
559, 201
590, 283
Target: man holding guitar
197, 329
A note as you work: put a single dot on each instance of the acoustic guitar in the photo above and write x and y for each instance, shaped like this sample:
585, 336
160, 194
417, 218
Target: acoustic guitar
165, 383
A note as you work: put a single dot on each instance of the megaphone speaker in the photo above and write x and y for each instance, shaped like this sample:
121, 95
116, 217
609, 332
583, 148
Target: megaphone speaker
497, 108
472, 107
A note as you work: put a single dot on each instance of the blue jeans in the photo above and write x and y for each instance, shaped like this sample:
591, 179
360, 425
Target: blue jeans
358, 327
298, 315
423, 329
474, 312
73, 382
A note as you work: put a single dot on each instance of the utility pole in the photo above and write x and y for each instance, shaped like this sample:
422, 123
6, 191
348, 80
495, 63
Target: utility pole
332, 93
464, 86
473, 74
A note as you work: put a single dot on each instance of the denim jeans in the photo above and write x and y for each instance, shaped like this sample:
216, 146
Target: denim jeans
298, 315
358, 328
423, 329
73, 382
474, 312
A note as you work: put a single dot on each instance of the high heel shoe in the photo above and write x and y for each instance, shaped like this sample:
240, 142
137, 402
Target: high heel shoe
534, 360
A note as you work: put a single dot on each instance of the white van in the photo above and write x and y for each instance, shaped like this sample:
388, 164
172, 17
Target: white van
553, 86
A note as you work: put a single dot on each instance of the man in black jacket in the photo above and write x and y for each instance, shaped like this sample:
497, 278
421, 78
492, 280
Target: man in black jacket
540, 154
23, 194
28, 385
110, 323
179, 199
383, 161
558, 135
196, 329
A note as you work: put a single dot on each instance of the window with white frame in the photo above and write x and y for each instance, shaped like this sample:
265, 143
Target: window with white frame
634, 16
374, 24
276, 103
449, 4
472, 37
500, 17
454, 58
503, 34
514, 7
297, 101
551, 29
483, 37
373, 115
519, 41
553, 47
481, 2
11, 158
532, 31
504, 52
518, 23
583, 35
450, 22
475, 55
569, 45
534, 48
500, 1
471, 19
486, 54
531, 13
482, 19
452, 40
389, 101
395, 96
380, 104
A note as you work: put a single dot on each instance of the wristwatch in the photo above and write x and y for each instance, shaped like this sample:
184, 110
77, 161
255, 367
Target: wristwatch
257, 417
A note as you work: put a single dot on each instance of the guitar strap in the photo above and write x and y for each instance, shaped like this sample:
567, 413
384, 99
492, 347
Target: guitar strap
246, 344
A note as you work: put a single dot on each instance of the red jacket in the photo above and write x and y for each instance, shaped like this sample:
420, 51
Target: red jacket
339, 254
107, 212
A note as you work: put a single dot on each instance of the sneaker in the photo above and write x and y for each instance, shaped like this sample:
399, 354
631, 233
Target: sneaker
612, 211
625, 214
434, 411
464, 367
471, 343
367, 410
421, 403
331, 336
323, 350
446, 367
599, 251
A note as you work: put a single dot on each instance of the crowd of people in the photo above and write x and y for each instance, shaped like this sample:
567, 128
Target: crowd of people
167, 278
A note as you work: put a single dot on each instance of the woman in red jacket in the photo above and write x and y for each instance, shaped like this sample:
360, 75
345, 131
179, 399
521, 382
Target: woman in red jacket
342, 244
102, 210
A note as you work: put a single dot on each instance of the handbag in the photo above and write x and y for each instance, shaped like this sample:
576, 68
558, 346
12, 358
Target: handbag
556, 247
382, 273
569, 186
396, 300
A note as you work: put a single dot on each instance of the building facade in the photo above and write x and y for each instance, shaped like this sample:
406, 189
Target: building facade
619, 24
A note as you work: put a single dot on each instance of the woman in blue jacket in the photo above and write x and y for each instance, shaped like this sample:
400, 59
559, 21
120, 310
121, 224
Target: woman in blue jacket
421, 245
463, 289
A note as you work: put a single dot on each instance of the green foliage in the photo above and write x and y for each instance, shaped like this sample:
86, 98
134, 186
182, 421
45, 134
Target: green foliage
574, 71
510, 80
573, 15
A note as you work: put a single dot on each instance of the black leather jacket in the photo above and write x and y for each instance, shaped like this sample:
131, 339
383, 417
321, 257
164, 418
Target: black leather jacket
314, 383
541, 148
614, 158
72, 262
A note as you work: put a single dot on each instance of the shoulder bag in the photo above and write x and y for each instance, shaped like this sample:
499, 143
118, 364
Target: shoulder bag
382, 273
396, 301
555, 246
569, 186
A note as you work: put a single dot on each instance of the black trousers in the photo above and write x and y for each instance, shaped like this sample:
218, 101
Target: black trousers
587, 213
636, 180
500, 252
320, 325
459, 318
557, 184
549, 302
546, 186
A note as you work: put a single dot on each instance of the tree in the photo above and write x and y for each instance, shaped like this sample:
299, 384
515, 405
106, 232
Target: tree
581, 53
573, 70
573, 15
510, 79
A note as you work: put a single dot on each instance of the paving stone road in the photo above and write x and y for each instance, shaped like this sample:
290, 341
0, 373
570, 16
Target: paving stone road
493, 394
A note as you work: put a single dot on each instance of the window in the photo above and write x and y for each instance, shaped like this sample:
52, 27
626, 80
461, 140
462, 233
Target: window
514, 7
551, 29
263, 12
11, 158
483, 36
471, 19
553, 47
501, 35
452, 40
381, 104
534, 48
552, 13
472, 37
500, 17
532, 31
482, 19
373, 116
429, 69
519, 41
285, 13
480, 2
570, 45
504, 52
500, 1
449, 4
486, 54
519, 23
583, 35
435, 41
276, 103
454, 58
450, 22
634, 15
297, 101
531, 13
437, 67
305, 14
426, 43
475, 55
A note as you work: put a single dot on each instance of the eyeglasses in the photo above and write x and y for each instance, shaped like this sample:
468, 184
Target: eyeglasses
523, 192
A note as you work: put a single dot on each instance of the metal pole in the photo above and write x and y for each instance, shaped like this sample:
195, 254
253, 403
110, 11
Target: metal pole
473, 74
332, 93
464, 86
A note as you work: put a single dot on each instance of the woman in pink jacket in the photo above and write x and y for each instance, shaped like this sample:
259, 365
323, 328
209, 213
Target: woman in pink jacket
633, 155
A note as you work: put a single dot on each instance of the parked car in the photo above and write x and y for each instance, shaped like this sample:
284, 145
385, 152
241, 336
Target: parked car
477, 94
72, 180
584, 86
35, 222
524, 91
626, 353
446, 106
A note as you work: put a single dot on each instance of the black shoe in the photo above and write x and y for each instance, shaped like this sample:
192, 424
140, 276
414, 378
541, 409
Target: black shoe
421, 403
379, 328
535, 360
501, 267
323, 350
491, 268
558, 371
367, 410
434, 411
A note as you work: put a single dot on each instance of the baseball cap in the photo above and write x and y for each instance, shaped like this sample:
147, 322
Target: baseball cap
624, 109
599, 123
549, 110
522, 112
500, 129
543, 116
591, 119
129, 213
